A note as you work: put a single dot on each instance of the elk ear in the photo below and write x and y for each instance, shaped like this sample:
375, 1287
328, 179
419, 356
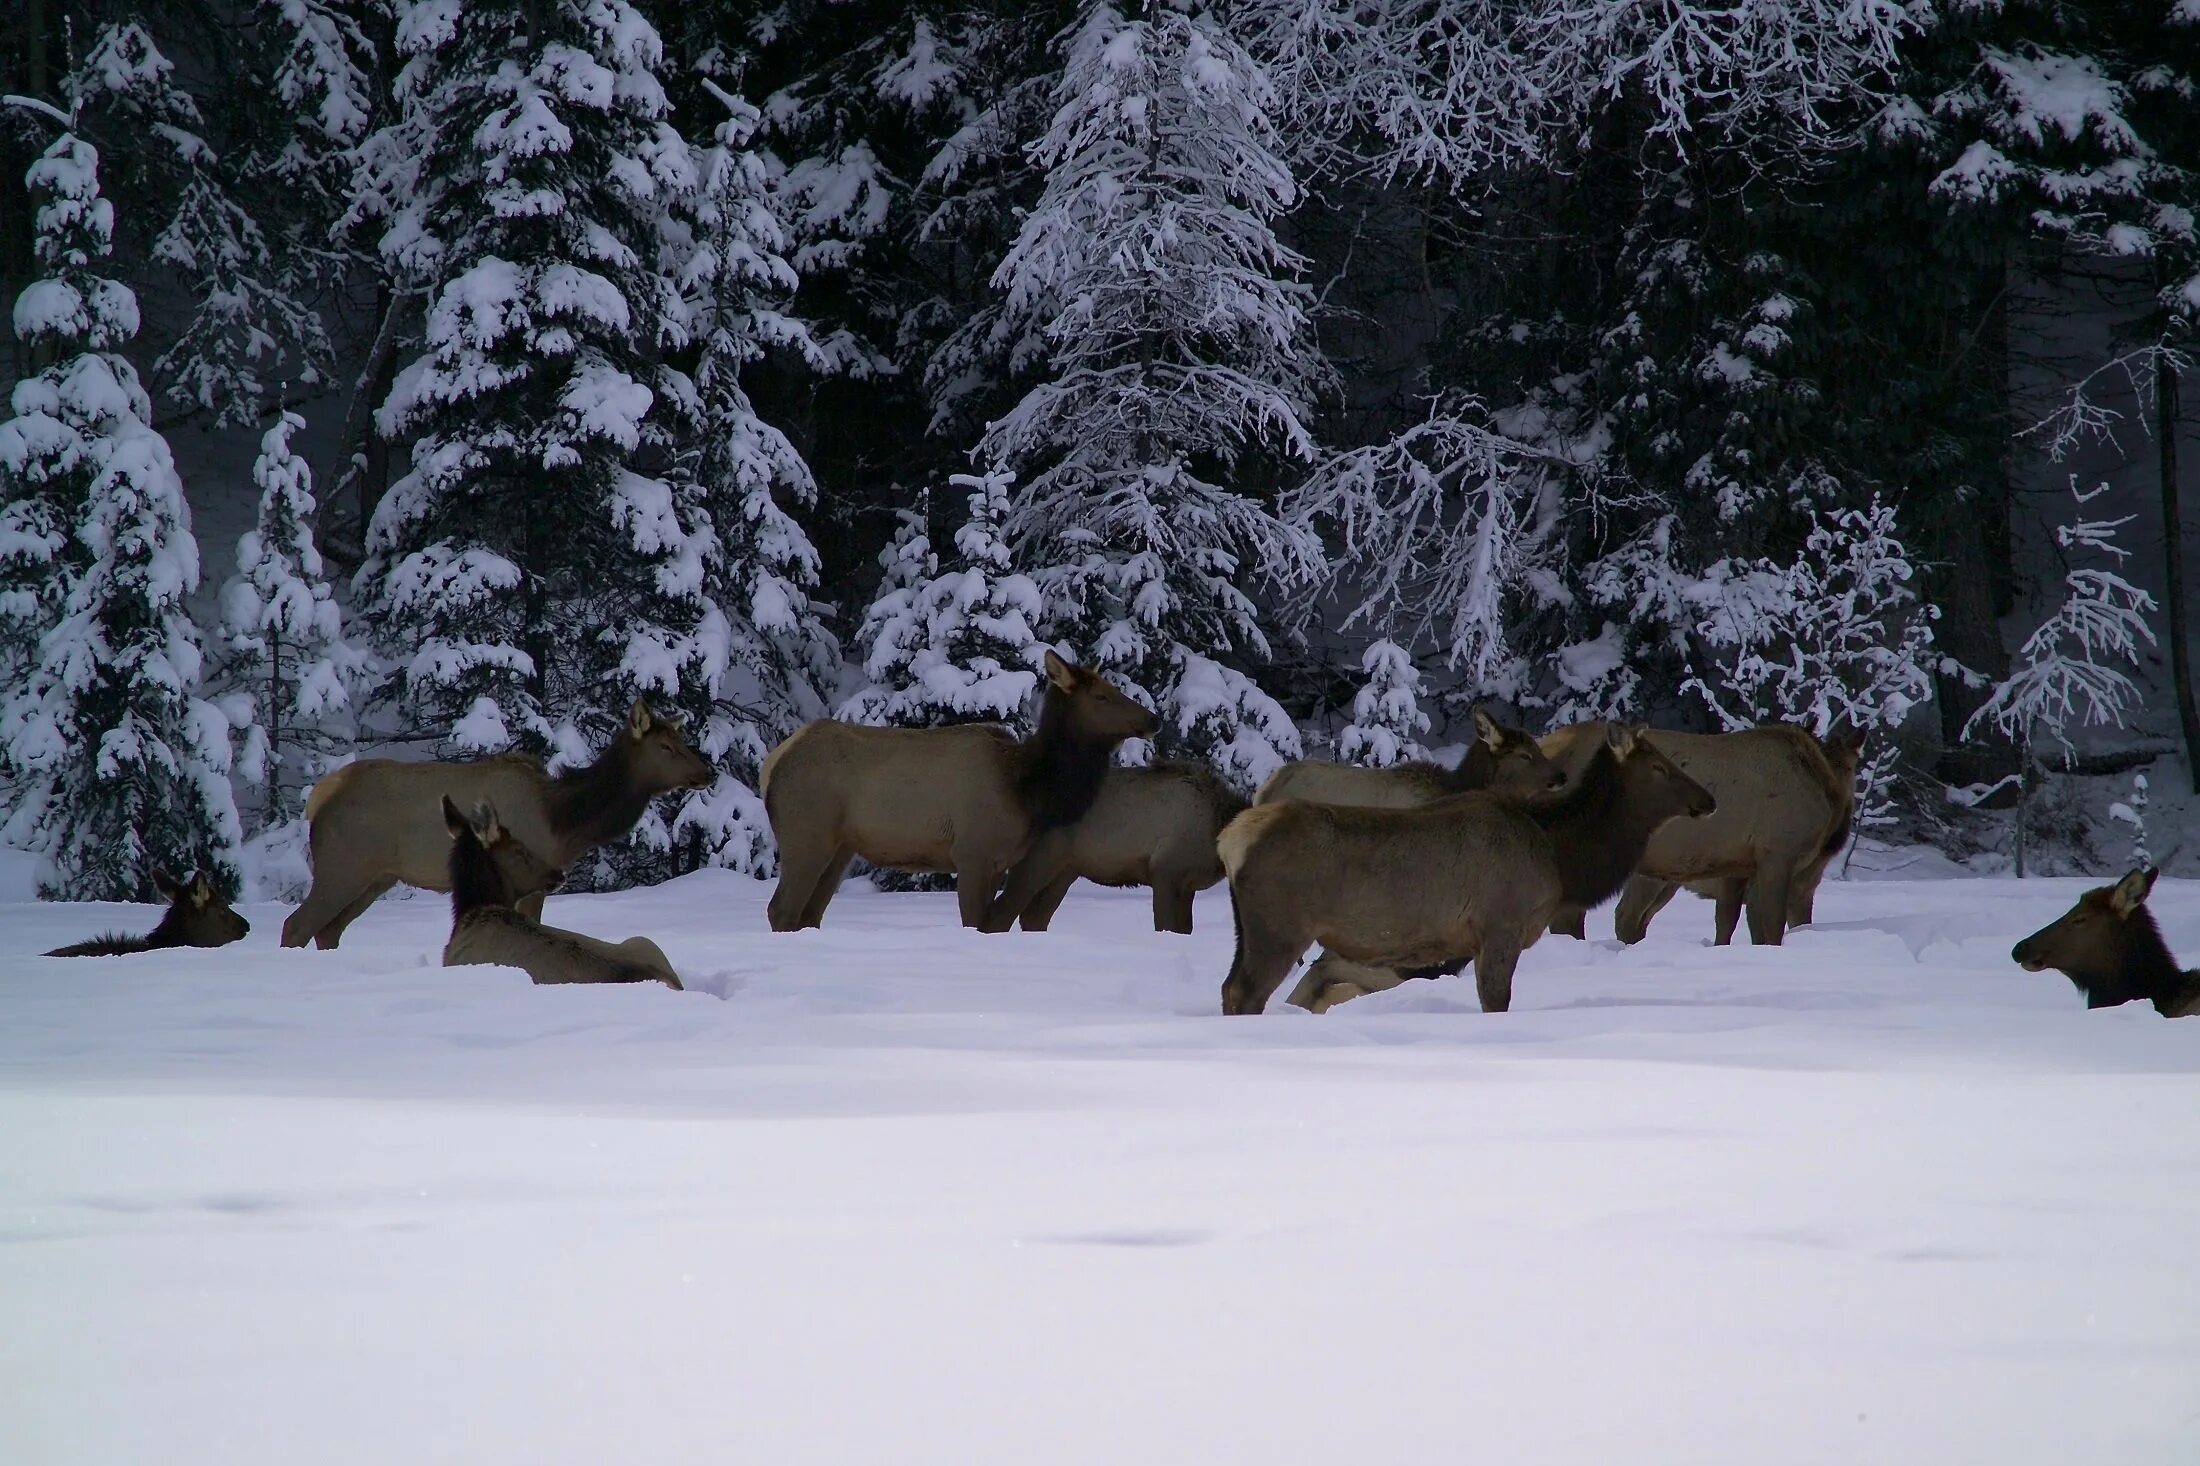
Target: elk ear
486, 823
202, 890
1060, 673
2131, 892
453, 820
638, 721
1622, 739
166, 884
1486, 728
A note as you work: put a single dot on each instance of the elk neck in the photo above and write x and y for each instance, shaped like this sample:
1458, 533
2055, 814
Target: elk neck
1062, 769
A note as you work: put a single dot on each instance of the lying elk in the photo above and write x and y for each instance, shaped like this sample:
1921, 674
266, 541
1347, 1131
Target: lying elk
1785, 803
198, 915
1503, 760
969, 799
490, 871
1154, 826
2110, 948
374, 822
1397, 893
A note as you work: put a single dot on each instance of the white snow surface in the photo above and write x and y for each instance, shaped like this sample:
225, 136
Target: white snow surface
897, 1192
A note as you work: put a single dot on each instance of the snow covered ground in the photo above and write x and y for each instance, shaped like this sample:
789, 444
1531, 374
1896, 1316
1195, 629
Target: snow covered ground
891, 1192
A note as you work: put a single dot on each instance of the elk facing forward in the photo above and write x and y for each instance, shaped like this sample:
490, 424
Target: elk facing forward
1502, 760
968, 799
1396, 892
1154, 826
490, 871
198, 915
1781, 803
378, 821
2110, 948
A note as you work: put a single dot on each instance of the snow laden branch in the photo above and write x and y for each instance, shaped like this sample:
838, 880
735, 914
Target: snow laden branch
1438, 532
2071, 668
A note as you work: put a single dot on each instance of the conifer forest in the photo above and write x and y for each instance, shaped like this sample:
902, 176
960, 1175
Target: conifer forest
443, 376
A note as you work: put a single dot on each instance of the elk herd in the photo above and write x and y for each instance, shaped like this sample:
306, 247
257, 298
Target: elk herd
1412, 871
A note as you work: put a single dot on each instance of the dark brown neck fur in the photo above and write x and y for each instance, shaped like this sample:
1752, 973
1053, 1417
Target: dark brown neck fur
1061, 770
589, 806
169, 933
1474, 771
475, 880
1597, 838
2145, 970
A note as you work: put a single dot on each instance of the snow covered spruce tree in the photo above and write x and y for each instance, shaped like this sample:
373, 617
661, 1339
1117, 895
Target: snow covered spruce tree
953, 643
284, 655
2067, 670
759, 660
1148, 291
119, 766
1387, 720
528, 575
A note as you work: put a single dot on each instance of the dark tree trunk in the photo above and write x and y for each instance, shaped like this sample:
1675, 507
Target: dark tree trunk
2173, 548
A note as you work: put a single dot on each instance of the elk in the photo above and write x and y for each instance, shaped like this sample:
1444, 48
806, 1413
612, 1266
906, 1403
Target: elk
969, 798
1419, 892
198, 915
2111, 950
1783, 809
1154, 826
1503, 760
374, 823
490, 871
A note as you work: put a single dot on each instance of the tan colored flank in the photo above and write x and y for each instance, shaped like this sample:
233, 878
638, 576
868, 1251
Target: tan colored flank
501, 936
1153, 827
1505, 761
1780, 801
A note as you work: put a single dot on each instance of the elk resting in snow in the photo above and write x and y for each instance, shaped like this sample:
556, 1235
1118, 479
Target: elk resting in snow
2109, 946
969, 799
198, 915
378, 821
1154, 826
1502, 760
1393, 893
489, 872
1783, 804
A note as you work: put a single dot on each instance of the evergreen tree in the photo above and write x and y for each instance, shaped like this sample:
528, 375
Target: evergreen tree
282, 636
121, 767
1150, 291
531, 572
1387, 720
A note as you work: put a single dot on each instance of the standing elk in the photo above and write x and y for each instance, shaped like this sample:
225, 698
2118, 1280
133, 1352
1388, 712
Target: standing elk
377, 822
1154, 826
1502, 760
198, 915
2111, 950
1784, 805
490, 871
1397, 893
969, 799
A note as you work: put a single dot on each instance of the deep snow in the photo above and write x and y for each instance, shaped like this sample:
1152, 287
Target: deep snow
891, 1192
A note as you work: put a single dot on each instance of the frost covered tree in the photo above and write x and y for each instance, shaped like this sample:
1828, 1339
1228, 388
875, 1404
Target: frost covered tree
1148, 292
758, 660
120, 766
531, 573
953, 642
2070, 669
284, 653
1387, 720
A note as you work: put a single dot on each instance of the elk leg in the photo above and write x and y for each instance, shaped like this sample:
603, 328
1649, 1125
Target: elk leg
975, 886
1729, 898
800, 870
1571, 921
321, 906
1493, 974
1258, 967
1027, 878
828, 885
1042, 907
1643, 898
1768, 903
328, 936
1172, 905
